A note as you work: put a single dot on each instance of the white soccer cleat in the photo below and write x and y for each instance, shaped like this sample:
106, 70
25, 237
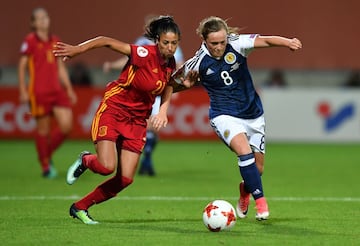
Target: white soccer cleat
76, 169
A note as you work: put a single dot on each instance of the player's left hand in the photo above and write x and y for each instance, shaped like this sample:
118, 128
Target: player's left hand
158, 121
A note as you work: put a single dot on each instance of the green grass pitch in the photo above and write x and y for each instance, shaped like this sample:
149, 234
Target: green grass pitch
312, 190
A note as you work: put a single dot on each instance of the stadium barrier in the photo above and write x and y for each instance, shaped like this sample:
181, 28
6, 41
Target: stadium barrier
188, 115
312, 114
323, 115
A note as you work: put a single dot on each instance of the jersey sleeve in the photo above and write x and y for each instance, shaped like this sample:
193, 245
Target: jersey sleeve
26, 47
139, 55
192, 64
243, 43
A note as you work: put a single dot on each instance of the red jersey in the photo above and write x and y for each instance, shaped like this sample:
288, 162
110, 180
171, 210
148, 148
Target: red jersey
144, 77
43, 66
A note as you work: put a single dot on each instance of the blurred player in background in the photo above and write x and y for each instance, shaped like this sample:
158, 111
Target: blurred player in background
146, 164
236, 113
119, 125
45, 93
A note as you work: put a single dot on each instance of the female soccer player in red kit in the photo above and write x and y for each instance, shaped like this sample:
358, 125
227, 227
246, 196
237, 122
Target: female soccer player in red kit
119, 125
45, 93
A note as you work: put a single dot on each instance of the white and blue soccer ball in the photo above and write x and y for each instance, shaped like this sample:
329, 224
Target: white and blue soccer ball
219, 215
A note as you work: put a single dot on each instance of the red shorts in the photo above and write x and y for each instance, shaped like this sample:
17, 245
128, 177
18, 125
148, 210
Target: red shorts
41, 105
115, 126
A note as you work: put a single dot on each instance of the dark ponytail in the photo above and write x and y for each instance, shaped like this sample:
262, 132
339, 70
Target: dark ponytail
159, 25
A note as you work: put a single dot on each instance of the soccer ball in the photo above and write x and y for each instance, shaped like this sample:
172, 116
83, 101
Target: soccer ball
219, 215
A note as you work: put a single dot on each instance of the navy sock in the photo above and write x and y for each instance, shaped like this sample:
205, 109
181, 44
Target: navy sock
151, 141
251, 175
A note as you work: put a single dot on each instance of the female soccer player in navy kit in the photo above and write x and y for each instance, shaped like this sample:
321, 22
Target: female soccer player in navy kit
236, 113
119, 125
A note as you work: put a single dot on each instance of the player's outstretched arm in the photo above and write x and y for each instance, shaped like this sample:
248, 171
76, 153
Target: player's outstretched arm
277, 41
67, 51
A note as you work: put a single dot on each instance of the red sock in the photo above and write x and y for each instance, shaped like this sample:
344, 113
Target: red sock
42, 148
103, 192
56, 139
91, 162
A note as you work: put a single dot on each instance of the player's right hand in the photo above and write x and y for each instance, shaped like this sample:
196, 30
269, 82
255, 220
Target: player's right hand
295, 44
158, 121
191, 78
66, 50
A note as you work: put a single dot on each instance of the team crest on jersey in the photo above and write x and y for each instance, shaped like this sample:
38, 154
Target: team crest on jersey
24, 47
226, 133
142, 52
230, 58
102, 131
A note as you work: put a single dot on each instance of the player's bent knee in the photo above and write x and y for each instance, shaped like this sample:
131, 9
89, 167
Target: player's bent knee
106, 171
108, 167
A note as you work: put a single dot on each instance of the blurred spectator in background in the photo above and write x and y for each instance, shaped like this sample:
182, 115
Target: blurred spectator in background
146, 164
49, 92
80, 75
276, 79
353, 79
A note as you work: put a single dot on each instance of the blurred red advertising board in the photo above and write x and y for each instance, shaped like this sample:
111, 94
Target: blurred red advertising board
188, 115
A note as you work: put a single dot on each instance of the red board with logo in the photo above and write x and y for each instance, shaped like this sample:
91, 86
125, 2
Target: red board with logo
188, 115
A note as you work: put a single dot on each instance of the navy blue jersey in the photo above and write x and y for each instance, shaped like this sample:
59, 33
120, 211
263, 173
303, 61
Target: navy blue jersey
227, 80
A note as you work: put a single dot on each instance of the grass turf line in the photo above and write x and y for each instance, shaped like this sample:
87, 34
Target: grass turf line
304, 172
